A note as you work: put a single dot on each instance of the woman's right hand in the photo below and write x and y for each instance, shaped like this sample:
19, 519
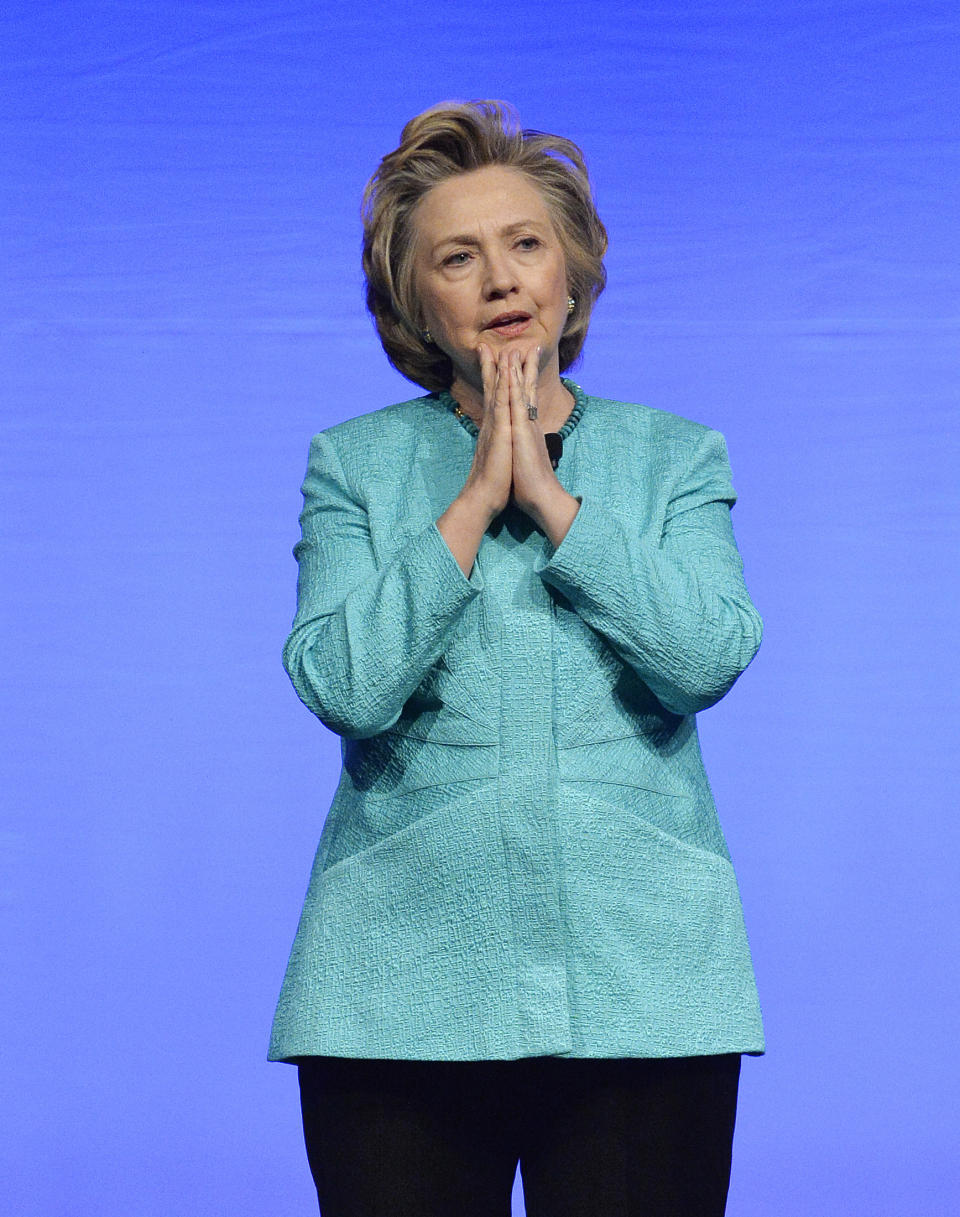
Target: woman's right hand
490, 478
487, 489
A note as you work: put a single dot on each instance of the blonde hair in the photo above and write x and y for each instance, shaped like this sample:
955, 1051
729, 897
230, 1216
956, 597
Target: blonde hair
442, 142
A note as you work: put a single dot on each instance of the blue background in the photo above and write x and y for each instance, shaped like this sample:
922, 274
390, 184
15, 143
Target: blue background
181, 308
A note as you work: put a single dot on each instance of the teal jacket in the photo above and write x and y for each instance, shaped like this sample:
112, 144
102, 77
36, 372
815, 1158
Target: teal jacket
522, 856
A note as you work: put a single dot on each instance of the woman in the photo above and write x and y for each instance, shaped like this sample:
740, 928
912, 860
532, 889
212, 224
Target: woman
522, 939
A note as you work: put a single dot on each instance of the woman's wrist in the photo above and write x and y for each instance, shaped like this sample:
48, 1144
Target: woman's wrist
554, 512
473, 502
462, 526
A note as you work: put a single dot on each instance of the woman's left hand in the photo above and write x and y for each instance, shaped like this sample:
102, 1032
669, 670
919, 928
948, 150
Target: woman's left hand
536, 489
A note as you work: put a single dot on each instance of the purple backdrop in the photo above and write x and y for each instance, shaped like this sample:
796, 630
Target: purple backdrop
180, 309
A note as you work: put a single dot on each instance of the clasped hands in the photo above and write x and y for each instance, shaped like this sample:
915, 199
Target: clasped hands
511, 463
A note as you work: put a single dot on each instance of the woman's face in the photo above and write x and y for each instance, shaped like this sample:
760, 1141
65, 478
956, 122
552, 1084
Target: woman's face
489, 267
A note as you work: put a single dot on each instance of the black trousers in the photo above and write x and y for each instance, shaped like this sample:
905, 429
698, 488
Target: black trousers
594, 1138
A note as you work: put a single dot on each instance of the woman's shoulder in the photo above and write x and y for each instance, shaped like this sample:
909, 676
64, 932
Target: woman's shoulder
398, 419
647, 422
383, 440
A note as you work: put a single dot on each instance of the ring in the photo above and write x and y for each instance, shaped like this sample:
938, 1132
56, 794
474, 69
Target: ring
531, 410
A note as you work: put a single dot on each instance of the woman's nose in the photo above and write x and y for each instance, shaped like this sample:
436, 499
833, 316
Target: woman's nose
500, 278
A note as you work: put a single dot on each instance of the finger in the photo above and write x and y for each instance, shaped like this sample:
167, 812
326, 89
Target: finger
531, 375
524, 392
516, 388
488, 373
494, 388
503, 378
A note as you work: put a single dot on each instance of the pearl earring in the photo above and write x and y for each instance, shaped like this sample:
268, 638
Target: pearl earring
571, 304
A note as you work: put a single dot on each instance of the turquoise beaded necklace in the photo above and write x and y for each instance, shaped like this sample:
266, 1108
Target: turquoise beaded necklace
579, 405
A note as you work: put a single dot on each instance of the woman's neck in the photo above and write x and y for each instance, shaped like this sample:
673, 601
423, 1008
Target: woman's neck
554, 401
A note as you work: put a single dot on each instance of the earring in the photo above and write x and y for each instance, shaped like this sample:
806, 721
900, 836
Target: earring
571, 304
427, 337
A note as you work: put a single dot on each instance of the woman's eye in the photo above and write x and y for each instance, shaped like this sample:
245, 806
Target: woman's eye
457, 259
528, 242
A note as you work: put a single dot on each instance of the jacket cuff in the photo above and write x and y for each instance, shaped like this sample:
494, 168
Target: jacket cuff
581, 555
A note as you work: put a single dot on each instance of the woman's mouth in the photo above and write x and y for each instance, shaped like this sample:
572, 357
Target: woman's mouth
509, 325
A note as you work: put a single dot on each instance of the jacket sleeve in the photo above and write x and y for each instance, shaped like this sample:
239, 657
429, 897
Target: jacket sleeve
676, 612
365, 631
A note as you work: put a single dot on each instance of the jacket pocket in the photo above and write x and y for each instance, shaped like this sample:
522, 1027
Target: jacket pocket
358, 825
677, 820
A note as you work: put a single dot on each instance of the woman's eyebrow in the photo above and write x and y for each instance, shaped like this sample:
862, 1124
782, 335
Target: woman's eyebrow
456, 239
471, 239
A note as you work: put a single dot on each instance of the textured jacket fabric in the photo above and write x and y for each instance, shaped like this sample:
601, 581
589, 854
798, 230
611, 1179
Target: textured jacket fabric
522, 856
